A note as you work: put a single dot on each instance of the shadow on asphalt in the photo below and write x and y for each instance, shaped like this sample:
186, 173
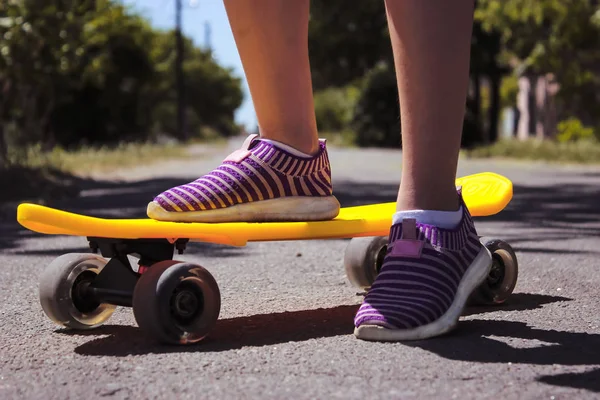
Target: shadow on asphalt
473, 341
579, 380
193, 248
517, 302
228, 334
484, 341
562, 208
262, 329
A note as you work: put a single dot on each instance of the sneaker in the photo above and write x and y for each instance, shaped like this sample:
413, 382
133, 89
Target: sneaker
426, 278
259, 182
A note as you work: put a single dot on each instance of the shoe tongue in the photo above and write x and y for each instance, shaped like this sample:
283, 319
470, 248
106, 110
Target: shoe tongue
250, 141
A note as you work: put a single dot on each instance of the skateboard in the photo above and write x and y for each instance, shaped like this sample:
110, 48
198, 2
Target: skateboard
178, 302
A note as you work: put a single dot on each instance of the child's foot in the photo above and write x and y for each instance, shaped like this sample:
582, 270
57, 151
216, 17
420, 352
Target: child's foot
426, 279
259, 182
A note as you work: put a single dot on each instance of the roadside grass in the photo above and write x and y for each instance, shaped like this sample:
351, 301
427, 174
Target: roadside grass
87, 160
23, 183
32, 174
579, 152
575, 152
344, 138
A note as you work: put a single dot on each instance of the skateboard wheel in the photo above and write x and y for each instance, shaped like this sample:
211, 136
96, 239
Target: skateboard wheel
62, 291
502, 279
363, 259
176, 302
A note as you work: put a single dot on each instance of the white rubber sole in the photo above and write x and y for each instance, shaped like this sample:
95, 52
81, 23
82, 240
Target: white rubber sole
474, 276
295, 208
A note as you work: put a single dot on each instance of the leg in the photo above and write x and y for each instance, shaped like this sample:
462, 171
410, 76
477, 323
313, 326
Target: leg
434, 259
284, 174
431, 43
272, 38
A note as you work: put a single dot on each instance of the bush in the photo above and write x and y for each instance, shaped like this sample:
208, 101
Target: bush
334, 108
376, 119
572, 130
94, 72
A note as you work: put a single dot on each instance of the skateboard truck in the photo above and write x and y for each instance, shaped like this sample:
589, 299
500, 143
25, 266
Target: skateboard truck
116, 282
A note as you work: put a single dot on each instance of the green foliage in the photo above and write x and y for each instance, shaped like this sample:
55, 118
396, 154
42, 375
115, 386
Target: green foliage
376, 119
90, 71
334, 107
552, 36
87, 159
583, 152
346, 40
572, 130
510, 37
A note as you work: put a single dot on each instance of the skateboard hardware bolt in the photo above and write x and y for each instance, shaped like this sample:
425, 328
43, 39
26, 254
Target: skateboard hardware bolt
94, 247
180, 246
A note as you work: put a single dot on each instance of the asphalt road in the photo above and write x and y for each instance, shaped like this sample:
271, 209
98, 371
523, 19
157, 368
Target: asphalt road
286, 320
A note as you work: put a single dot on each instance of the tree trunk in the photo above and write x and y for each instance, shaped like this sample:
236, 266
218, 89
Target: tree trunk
48, 138
477, 109
3, 148
494, 111
4, 94
523, 104
477, 99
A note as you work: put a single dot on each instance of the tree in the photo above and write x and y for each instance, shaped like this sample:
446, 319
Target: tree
552, 36
213, 93
346, 41
39, 48
91, 71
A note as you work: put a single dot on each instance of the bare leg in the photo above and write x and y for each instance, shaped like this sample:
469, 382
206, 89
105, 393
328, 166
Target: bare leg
272, 39
431, 43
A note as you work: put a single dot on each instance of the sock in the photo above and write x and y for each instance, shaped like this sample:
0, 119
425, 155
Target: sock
287, 148
441, 219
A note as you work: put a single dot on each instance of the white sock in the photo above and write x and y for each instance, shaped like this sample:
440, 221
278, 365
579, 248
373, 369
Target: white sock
287, 148
441, 219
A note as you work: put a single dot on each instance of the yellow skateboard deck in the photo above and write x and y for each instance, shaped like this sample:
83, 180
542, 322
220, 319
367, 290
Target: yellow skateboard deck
484, 194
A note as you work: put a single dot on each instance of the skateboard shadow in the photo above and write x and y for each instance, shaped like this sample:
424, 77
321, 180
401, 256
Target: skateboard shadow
229, 334
261, 330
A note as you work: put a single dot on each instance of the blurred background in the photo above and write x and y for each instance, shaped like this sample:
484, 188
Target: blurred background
117, 82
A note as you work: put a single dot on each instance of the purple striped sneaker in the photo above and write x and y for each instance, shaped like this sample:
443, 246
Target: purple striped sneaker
426, 279
259, 182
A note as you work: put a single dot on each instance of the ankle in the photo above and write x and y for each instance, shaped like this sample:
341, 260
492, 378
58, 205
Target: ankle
430, 199
299, 140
